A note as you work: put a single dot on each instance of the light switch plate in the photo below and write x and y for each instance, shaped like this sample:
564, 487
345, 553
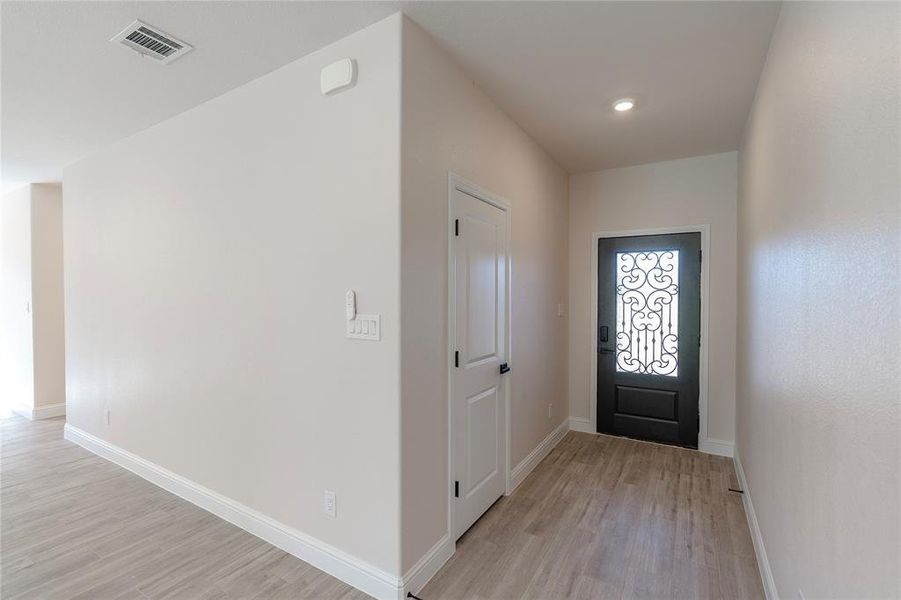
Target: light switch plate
365, 327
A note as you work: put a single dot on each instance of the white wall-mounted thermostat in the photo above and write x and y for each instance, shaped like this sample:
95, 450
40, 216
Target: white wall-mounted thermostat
338, 76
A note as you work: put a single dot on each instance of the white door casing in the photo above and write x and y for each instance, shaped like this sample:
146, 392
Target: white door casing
479, 340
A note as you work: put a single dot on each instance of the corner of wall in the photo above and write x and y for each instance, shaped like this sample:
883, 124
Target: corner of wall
47, 299
450, 125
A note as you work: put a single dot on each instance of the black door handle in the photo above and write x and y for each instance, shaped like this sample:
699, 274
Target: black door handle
606, 350
505, 368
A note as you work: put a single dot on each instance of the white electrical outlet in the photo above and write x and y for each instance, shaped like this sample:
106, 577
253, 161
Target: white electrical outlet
550, 408
559, 310
331, 504
108, 416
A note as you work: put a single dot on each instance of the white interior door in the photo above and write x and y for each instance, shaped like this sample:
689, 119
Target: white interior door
478, 401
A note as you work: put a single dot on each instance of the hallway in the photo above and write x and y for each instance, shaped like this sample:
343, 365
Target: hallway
600, 517
606, 517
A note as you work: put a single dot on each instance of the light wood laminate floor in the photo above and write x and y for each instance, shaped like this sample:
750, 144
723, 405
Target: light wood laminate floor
601, 517
73, 525
607, 517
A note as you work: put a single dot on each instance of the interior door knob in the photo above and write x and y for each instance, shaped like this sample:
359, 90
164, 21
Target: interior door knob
505, 368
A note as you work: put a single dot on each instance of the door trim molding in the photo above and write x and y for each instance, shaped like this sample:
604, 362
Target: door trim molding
704, 230
458, 183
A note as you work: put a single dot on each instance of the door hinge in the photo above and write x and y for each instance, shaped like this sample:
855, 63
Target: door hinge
457, 227
456, 489
457, 358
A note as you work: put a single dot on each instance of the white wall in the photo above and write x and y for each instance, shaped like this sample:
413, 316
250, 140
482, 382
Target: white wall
691, 191
206, 264
47, 295
16, 349
450, 125
819, 378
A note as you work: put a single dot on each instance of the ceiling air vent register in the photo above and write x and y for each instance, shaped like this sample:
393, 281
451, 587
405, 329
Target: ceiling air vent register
152, 42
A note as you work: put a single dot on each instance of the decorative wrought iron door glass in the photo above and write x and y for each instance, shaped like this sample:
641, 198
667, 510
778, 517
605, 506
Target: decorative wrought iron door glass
647, 312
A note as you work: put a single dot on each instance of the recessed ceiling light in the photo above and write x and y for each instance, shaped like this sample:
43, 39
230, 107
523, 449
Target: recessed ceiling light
624, 104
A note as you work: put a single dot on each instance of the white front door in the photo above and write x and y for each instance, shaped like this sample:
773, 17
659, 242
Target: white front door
478, 401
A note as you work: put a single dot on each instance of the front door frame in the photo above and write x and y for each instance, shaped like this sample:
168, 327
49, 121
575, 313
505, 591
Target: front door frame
456, 183
704, 230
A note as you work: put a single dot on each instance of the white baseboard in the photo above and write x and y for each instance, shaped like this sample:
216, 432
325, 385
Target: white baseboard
522, 470
581, 424
341, 565
50, 411
766, 574
717, 447
420, 574
41, 412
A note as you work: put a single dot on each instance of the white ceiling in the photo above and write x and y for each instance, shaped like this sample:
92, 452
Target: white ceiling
555, 67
